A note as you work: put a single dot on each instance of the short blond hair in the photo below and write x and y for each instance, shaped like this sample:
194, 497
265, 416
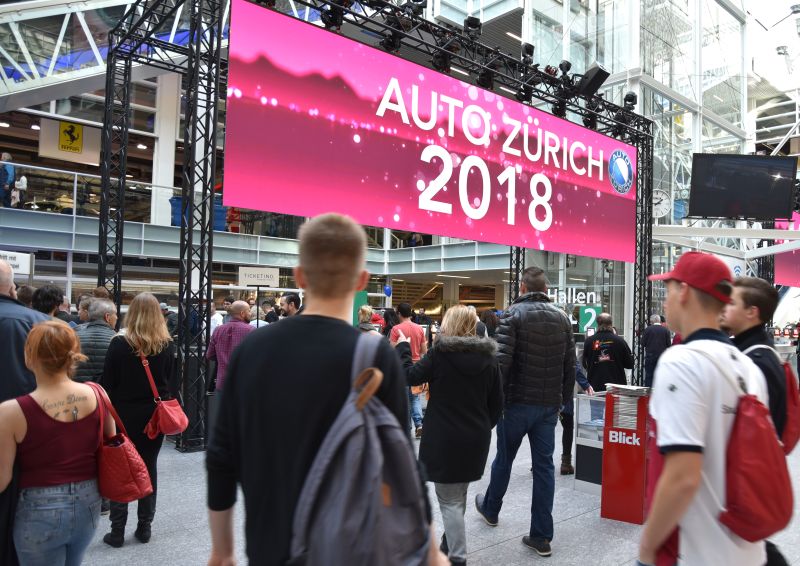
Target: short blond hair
459, 321
364, 314
332, 250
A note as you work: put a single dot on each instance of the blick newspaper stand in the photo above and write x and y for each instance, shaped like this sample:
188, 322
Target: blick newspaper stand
625, 454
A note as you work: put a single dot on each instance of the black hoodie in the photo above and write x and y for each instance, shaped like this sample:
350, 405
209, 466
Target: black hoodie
466, 402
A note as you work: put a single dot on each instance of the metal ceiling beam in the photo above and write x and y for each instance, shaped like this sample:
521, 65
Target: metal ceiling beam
662, 231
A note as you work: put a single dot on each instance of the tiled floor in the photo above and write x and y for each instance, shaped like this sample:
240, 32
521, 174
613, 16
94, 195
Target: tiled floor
582, 538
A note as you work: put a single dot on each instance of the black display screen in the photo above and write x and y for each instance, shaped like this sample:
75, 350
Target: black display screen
742, 186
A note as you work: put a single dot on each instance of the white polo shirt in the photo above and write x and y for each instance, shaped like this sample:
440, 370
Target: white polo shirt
694, 406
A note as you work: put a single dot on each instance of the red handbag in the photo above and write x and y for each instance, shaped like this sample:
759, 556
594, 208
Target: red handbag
121, 473
168, 418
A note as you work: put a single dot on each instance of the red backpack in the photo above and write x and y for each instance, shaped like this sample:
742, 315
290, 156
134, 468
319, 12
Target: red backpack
791, 430
759, 499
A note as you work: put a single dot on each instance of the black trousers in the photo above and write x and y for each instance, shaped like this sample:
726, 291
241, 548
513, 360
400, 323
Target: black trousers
148, 450
568, 424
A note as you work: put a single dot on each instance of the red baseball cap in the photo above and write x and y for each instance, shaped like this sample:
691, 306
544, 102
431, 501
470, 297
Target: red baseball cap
702, 271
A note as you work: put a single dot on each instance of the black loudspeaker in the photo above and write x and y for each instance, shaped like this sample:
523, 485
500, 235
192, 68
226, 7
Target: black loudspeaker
592, 80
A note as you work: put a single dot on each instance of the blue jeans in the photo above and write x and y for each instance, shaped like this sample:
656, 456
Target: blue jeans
54, 525
415, 406
539, 424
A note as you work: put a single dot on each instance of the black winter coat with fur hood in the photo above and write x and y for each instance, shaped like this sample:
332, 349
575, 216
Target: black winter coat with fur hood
465, 404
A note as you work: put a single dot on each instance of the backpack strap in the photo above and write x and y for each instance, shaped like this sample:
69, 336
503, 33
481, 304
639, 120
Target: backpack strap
364, 378
765, 347
738, 383
364, 354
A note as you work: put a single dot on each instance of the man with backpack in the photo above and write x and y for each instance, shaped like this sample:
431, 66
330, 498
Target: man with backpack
268, 443
695, 401
752, 305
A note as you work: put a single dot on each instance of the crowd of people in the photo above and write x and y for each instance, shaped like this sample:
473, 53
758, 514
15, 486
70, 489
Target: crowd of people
515, 374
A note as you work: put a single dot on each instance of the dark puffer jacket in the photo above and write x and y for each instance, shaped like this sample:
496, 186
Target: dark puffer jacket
466, 402
536, 352
95, 337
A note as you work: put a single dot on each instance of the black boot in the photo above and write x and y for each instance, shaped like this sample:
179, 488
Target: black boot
115, 538
143, 533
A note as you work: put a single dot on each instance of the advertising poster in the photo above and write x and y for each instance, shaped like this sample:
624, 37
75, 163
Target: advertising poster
319, 123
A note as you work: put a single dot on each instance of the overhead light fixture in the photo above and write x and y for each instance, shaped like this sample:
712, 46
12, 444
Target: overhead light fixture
508, 90
485, 79
5, 125
141, 146
630, 101
576, 279
460, 71
35, 127
559, 108
441, 62
525, 93
527, 54
128, 176
514, 36
391, 42
452, 276
415, 7
565, 66
472, 27
333, 17
594, 105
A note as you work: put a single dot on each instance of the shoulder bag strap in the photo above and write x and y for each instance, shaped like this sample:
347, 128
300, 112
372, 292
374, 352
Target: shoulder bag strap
101, 408
765, 347
108, 405
146, 364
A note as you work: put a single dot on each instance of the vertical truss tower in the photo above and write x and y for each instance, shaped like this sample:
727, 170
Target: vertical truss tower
141, 38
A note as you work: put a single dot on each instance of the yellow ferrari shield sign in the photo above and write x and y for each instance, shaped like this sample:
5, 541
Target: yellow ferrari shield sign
70, 137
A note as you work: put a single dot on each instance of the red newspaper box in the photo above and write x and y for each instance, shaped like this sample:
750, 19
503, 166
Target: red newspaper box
625, 455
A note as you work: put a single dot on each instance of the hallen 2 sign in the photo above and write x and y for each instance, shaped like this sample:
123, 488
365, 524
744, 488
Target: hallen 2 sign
573, 296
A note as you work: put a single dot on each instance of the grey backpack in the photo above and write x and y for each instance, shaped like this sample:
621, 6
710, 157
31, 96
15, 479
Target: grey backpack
362, 501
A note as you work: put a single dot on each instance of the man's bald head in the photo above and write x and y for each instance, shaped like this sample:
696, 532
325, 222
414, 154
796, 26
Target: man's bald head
240, 310
7, 280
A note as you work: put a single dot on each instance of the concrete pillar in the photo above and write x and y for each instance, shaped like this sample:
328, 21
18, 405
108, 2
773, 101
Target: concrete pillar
450, 295
168, 98
500, 296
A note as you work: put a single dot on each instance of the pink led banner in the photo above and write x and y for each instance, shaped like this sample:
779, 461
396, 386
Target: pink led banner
787, 265
319, 123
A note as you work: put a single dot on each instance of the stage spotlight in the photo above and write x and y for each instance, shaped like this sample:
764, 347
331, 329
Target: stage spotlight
525, 93
391, 42
630, 100
559, 108
591, 81
565, 66
527, 54
441, 62
590, 120
550, 70
333, 17
415, 7
486, 79
472, 27
374, 4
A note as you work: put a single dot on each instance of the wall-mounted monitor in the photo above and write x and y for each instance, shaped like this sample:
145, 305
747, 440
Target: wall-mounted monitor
753, 187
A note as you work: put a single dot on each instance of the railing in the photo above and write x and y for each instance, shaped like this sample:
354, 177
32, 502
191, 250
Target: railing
60, 191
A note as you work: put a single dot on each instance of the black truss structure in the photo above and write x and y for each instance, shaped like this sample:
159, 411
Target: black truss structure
135, 39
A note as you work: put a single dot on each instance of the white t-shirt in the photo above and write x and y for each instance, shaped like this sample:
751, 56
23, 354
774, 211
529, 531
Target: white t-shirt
694, 408
216, 321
